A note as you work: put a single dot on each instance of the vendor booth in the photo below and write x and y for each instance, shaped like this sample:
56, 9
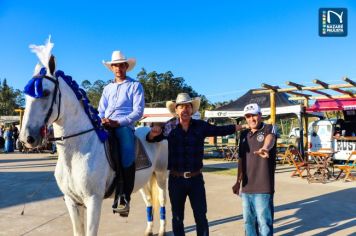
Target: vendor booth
337, 135
342, 97
235, 108
285, 109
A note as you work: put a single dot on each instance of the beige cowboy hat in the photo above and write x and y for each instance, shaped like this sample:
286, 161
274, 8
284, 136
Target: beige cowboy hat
183, 98
117, 57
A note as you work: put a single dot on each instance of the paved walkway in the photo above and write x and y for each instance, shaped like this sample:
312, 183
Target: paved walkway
27, 184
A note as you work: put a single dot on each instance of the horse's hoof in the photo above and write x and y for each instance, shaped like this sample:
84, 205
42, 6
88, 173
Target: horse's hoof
148, 234
161, 233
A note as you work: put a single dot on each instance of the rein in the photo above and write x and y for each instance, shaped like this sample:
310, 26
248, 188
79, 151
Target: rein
70, 136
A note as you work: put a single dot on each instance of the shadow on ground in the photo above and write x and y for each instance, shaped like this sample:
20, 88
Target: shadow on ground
334, 211
27, 159
24, 187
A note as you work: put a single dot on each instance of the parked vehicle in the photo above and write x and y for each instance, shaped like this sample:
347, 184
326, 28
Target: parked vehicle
328, 135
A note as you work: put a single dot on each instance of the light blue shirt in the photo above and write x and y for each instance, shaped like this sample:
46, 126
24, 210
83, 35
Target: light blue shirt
123, 102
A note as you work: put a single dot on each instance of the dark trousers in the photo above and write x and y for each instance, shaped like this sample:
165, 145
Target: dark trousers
179, 188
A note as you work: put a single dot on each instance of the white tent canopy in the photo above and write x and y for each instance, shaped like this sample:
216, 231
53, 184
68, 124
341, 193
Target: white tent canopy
156, 115
296, 109
235, 108
160, 115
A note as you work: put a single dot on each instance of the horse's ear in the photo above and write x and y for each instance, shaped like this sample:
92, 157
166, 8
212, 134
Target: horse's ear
52, 64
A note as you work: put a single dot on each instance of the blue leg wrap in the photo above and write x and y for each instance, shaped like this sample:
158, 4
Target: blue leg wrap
149, 214
162, 213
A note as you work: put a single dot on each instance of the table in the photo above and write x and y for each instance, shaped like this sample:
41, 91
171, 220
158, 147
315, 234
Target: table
321, 166
230, 152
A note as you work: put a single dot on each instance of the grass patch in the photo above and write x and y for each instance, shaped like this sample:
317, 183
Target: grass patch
220, 171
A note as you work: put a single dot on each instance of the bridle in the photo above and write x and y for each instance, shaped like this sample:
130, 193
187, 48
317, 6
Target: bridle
56, 90
50, 110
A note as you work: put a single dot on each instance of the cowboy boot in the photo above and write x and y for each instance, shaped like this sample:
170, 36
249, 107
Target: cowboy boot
129, 180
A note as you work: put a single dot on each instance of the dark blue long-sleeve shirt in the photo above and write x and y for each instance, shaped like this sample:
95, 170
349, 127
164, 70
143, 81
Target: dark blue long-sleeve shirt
186, 148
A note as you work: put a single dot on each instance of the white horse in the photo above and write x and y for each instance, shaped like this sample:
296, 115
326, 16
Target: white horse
83, 172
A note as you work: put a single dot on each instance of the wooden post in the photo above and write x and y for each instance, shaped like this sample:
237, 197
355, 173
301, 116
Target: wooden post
305, 126
21, 111
282, 127
273, 107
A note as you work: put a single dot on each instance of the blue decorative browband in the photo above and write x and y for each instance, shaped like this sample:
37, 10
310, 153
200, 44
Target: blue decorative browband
34, 89
34, 86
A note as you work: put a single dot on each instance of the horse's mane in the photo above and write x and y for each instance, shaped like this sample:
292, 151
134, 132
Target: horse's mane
81, 95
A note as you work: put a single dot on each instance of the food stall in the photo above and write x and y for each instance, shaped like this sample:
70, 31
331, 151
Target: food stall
338, 135
339, 92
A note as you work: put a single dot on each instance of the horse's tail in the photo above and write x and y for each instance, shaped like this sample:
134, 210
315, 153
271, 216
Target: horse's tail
154, 194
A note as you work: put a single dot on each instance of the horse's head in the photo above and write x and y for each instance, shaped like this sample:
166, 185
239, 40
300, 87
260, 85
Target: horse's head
42, 103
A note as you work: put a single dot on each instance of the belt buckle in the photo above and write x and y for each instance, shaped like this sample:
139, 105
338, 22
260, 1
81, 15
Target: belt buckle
185, 175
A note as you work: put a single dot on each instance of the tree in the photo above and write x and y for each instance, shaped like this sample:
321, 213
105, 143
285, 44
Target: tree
94, 91
158, 87
10, 99
161, 87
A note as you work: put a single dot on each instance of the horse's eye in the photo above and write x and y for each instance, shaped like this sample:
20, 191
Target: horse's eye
46, 92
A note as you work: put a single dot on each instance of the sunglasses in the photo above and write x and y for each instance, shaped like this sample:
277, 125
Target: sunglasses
250, 115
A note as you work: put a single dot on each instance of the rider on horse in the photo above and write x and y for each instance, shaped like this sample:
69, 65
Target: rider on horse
121, 105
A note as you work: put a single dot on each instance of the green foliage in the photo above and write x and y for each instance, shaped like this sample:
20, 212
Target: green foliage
333, 114
94, 91
158, 87
161, 87
10, 99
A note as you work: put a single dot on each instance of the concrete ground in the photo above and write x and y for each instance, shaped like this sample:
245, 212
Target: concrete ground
27, 185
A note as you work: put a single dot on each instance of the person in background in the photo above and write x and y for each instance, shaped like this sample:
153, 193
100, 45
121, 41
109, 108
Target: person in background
256, 169
121, 105
9, 140
185, 159
2, 140
15, 135
2, 130
337, 132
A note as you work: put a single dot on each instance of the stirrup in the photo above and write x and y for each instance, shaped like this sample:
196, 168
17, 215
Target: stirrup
122, 209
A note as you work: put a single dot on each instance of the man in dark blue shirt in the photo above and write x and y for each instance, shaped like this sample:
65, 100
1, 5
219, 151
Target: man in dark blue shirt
185, 159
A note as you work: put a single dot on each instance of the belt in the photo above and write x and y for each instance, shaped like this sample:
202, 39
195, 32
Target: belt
185, 175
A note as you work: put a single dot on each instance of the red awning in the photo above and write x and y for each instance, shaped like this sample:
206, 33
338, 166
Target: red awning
333, 105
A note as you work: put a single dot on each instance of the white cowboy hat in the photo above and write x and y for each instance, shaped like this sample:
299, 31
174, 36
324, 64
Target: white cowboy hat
117, 57
183, 98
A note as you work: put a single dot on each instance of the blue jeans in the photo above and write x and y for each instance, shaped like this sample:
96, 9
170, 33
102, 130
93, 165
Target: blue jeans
258, 213
54, 147
179, 188
126, 139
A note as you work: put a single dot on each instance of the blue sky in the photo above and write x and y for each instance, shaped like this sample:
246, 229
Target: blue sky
221, 48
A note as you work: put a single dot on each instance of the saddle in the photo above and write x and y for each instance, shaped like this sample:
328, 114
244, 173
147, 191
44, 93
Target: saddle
113, 156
